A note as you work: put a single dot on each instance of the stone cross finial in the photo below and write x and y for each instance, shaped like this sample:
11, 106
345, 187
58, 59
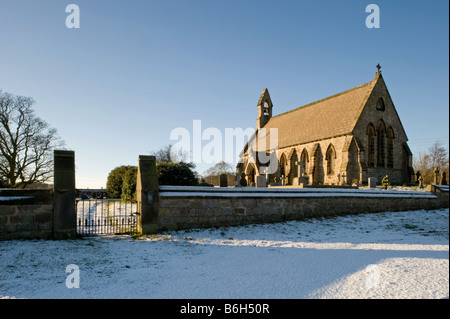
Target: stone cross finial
378, 67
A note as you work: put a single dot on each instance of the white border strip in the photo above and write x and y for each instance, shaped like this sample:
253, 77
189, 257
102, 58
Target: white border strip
291, 195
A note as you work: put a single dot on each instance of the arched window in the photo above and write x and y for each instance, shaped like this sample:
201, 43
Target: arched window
294, 166
380, 104
283, 163
330, 157
390, 148
381, 145
304, 160
371, 146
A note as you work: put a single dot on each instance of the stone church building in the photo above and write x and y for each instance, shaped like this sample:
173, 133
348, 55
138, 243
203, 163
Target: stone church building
342, 139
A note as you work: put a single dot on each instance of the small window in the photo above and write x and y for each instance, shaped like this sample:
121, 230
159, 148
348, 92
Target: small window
380, 105
330, 156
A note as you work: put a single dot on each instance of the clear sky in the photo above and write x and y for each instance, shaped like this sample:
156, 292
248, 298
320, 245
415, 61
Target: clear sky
117, 86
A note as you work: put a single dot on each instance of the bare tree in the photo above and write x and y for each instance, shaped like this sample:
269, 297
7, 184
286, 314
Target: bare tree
220, 168
438, 155
435, 157
26, 142
211, 175
168, 153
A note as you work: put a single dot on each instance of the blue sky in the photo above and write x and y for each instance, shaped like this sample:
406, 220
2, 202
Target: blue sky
135, 70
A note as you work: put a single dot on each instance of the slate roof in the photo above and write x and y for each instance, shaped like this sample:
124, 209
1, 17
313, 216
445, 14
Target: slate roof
333, 116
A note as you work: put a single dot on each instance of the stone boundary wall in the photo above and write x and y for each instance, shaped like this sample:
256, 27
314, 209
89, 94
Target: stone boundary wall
188, 207
42, 214
26, 214
26, 221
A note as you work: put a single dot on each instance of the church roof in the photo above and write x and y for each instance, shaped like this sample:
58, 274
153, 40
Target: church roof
333, 116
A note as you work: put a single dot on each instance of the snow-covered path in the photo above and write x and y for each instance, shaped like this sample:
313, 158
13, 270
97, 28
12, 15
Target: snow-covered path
387, 255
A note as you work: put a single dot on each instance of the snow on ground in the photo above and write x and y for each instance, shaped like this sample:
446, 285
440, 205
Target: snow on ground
384, 255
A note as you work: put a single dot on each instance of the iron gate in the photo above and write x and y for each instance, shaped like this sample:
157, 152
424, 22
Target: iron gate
105, 216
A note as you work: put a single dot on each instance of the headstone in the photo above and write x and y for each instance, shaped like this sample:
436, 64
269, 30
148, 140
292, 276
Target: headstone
261, 181
242, 180
418, 176
436, 176
444, 179
372, 182
223, 180
421, 182
303, 180
299, 167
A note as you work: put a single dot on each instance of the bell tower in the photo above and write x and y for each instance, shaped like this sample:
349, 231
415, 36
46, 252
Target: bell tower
264, 109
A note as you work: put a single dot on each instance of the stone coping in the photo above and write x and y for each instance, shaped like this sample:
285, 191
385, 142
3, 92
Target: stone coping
198, 191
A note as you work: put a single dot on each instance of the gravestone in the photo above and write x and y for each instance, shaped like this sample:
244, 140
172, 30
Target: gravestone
418, 175
421, 182
261, 181
238, 179
372, 182
242, 180
444, 179
436, 176
344, 180
223, 180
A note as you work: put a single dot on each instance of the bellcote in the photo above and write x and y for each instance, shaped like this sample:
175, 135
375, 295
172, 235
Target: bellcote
264, 109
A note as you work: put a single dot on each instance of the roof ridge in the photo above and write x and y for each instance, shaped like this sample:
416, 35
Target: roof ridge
325, 99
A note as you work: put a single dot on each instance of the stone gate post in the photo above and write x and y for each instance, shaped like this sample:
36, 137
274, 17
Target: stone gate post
64, 213
147, 195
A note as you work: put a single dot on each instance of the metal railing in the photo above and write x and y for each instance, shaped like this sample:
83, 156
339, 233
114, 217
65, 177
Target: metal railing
105, 216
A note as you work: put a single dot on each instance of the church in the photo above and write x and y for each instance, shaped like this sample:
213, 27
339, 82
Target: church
343, 139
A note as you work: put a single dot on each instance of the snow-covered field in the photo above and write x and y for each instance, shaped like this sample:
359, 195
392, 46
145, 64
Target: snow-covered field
384, 255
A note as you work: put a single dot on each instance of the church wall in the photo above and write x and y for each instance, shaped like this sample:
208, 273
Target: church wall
354, 159
370, 114
311, 166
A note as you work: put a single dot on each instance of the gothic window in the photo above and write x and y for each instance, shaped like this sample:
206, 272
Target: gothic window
390, 148
294, 166
304, 159
371, 146
381, 145
330, 157
283, 164
380, 104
